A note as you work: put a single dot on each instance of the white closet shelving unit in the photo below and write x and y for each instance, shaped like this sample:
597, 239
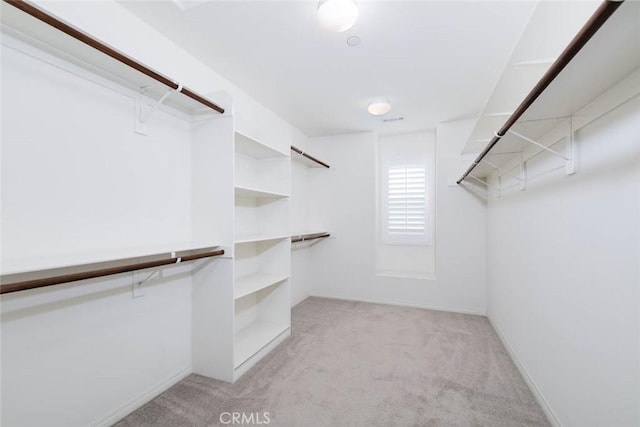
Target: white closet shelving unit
206, 131
604, 74
65, 48
262, 300
52, 44
551, 27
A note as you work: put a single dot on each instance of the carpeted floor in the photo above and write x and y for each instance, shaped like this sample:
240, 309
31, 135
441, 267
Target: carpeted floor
358, 364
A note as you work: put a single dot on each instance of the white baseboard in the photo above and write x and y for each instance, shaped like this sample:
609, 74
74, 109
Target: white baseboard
461, 310
249, 363
553, 419
299, 300
137, 402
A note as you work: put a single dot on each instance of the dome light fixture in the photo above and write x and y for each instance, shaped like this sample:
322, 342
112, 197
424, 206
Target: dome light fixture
379, 107
337, 15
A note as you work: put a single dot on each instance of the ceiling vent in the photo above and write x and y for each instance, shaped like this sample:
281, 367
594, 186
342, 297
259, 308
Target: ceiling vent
393, 119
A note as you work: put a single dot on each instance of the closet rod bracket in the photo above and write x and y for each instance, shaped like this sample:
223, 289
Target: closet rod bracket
569, 156
138, 290
498, 190
474, 188
141, 117
571, 149
502, 172
136, 287
492, 165
537, 144
523, 173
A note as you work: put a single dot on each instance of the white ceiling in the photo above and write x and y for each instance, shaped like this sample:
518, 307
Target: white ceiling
436, 61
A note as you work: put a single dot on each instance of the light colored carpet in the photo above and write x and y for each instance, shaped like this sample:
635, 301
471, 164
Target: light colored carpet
358, 364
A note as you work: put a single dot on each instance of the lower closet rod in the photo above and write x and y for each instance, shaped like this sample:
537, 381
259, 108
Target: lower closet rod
55, 276
305, 238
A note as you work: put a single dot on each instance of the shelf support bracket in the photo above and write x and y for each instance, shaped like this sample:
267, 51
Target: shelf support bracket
523, 173
492, 165
137, 290
481, 181
486, 184
537, 144
475, 189
141, 117
501, 172
569, 157
571, 149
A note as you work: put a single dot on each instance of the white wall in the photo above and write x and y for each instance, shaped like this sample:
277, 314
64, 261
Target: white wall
76, 179
300, 254
564, 276
84, 353
344, 266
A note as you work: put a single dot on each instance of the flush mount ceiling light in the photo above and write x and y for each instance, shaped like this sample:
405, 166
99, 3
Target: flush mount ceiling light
379, 107
337, 15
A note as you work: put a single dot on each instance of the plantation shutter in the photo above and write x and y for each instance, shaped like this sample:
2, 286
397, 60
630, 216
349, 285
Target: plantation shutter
406, 200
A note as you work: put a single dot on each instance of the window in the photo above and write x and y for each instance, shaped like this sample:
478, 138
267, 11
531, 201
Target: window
405, 220
405, 205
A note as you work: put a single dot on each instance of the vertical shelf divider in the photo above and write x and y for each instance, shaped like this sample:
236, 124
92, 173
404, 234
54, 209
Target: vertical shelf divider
261, 288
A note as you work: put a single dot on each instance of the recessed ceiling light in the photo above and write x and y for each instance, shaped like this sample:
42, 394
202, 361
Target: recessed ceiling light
379, 107
337, 15
354, 41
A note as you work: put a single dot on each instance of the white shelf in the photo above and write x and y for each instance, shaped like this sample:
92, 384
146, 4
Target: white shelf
252, 238
251, 339
515, 83
257, 193
250, 284
33, 31
252, 148
298, 233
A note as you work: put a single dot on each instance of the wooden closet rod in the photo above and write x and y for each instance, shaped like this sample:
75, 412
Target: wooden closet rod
305, 237
600, 16
313, 159
55, 276
118, 56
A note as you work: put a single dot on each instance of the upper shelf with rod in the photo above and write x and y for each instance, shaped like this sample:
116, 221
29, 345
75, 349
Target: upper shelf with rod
24, 20
550, 28
54, 276
605, 51
307, 159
